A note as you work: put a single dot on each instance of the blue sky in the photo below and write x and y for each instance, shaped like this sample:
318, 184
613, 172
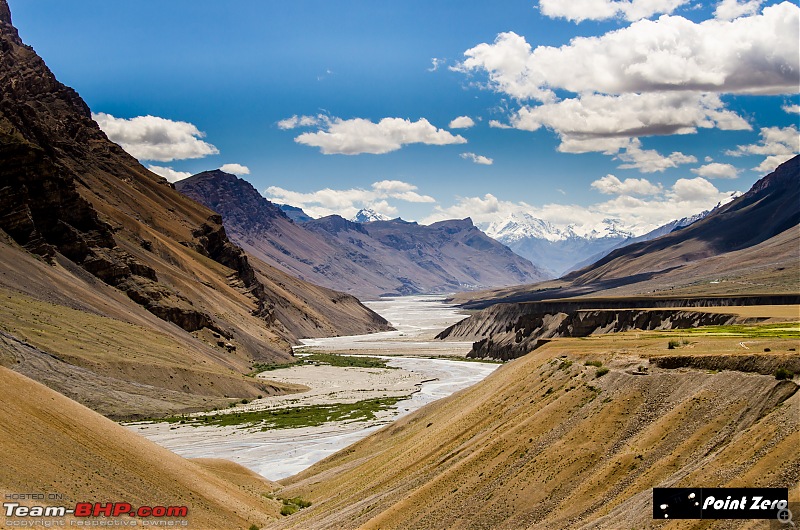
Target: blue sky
579, 111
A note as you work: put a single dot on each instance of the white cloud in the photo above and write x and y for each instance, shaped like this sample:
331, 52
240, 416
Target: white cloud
462, 122
154, 138
435, 64
778, 144
757, 54
693, 189
627, 115
730, 9
347, 202
611, 185
357, 136
580, 10
716, 170
649, 160
791, 109
235, 169
497, 124
477, 159
302, 121
168, 173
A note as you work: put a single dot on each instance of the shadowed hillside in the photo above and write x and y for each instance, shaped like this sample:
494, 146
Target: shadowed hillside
90, 237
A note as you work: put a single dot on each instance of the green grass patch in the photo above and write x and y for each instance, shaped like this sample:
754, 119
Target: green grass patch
783, 330
291, 417
783, 373
257, 368
601, 371
597, 364
347, 361
294, 504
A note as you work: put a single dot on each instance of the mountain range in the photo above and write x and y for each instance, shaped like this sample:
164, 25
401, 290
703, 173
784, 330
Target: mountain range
369, 258
561, 250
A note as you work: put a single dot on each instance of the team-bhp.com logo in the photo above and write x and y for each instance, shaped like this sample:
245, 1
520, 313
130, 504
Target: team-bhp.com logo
20, 515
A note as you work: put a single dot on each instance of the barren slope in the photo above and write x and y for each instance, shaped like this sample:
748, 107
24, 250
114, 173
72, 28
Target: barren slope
544, 443
53, 445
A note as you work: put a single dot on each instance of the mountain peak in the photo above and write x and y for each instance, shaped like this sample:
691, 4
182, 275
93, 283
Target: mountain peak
5, 12
368, 215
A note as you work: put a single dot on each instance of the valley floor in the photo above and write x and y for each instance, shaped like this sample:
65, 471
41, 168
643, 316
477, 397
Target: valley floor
413, 381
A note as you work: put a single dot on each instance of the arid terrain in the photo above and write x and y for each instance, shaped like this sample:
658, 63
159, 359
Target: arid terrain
670, 362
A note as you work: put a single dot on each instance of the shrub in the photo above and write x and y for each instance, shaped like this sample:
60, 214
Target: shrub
783, 373
565, 364
601, 371
254, 527
598, 364
673, 344
288, 509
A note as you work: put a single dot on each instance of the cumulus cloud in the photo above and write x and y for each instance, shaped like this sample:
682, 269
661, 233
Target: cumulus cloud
791, 109
168, 173
462, 122
649, 160
477, 159
235, 169
580, 10
154, 138
358, 136
778, 144
730, 9
756, 54
611, 185
348, 202
716, 170
627, 115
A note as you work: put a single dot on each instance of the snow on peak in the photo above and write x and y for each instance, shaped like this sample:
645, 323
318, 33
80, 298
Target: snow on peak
367, 215
519, 226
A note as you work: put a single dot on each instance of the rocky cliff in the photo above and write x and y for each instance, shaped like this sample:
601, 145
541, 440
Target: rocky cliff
508, 331
84, 227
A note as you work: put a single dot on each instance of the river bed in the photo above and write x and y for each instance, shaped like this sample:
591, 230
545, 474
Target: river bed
279, 453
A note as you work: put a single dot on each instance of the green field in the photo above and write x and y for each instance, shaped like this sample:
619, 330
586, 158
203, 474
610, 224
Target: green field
784, 330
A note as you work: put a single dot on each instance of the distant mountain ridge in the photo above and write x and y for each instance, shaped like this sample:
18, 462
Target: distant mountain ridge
556, 250
369, 259
747, 246
561, 250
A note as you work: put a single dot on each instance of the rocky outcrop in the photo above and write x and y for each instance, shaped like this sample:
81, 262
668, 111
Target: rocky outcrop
508, 331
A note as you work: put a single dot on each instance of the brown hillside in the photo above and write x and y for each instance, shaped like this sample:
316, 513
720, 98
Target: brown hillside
544, 443
50, 444
84, 225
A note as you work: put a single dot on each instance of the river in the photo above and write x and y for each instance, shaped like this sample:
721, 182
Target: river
279, 453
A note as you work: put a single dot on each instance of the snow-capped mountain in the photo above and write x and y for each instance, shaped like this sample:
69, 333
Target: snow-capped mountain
563, 249
521, 226
368, 215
